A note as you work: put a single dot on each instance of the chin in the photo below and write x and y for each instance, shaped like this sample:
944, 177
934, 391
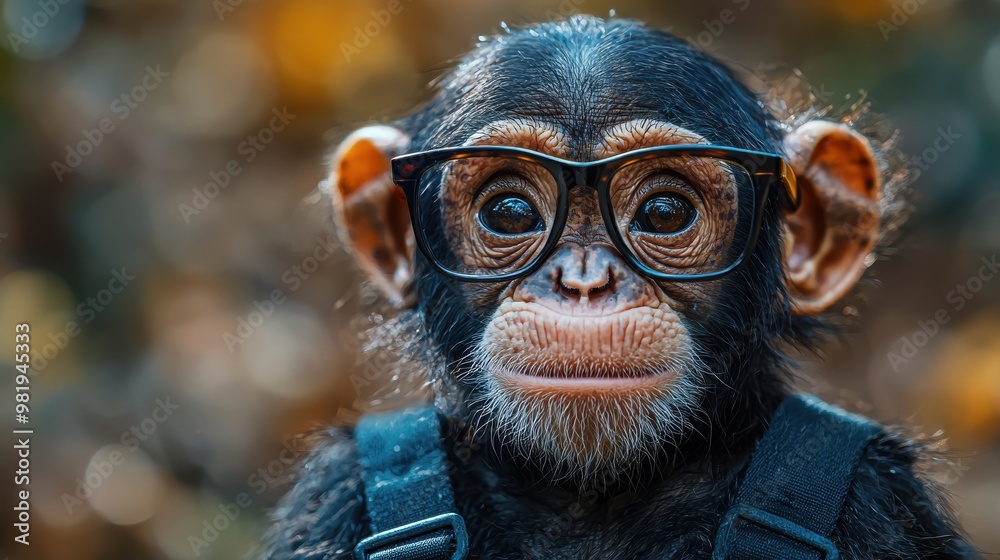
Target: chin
588, 427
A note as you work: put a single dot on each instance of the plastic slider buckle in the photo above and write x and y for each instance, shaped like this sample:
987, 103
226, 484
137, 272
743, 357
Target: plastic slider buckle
386, 539
774, 523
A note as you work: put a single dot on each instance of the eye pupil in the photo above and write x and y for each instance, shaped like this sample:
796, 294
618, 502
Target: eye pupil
664, 213
508, 214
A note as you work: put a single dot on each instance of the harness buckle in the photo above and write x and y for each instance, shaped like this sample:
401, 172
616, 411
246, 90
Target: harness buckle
402, 539
774, 523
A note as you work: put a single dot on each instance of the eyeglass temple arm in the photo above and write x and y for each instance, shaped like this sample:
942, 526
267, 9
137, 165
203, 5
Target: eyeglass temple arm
786, 176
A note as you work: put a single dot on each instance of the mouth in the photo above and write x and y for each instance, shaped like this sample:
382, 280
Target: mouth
570, 381
528, 347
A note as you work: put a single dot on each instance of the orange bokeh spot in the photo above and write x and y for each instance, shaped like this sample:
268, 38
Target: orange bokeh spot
305, 38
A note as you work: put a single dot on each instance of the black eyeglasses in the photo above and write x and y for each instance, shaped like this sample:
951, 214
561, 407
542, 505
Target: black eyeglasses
676, 213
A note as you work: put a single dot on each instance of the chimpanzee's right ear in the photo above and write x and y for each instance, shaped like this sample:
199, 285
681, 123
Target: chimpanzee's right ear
371, 211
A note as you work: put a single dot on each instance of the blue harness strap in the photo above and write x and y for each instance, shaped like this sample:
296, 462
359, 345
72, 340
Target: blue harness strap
787, 505
407, 490
795, 487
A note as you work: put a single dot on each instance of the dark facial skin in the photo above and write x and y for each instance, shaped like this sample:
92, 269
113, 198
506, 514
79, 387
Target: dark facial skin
592, 412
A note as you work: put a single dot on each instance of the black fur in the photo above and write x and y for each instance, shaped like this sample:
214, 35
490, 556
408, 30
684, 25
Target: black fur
585, 74
889, 513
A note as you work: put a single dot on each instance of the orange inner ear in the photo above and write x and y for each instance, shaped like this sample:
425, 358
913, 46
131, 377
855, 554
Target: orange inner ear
849, 160
375, 215
361, 163
836, 226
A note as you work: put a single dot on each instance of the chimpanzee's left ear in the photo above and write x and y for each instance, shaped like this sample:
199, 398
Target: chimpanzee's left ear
371, 211
836, 226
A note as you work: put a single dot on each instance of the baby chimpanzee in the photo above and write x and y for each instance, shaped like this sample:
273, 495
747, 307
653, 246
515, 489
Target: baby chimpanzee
599, 242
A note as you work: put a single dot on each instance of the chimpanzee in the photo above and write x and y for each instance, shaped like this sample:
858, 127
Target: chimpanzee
602, 246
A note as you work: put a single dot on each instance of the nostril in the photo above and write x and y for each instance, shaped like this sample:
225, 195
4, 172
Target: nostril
561, 287
607, 286
569, 292
584, 288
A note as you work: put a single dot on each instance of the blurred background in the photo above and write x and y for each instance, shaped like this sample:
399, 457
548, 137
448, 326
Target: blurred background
154, 159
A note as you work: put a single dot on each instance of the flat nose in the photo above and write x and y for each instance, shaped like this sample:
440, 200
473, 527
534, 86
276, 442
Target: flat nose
585, 273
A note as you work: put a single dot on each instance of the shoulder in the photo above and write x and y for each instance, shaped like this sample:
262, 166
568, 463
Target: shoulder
894, 511
323, 515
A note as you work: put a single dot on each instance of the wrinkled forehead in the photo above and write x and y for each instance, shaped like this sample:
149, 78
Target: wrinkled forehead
552, 139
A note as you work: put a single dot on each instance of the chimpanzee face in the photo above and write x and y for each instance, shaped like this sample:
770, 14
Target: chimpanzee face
596, 224
585, 308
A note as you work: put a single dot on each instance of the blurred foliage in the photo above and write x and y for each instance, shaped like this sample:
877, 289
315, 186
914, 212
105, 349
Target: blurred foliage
140, 139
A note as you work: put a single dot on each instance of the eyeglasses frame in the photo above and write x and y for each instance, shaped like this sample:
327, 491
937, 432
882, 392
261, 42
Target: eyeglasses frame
765, 170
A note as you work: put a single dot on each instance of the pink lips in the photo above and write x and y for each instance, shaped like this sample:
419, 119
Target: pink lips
581, 385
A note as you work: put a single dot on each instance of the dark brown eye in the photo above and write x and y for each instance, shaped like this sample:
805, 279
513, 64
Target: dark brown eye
664, 213
510, 214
